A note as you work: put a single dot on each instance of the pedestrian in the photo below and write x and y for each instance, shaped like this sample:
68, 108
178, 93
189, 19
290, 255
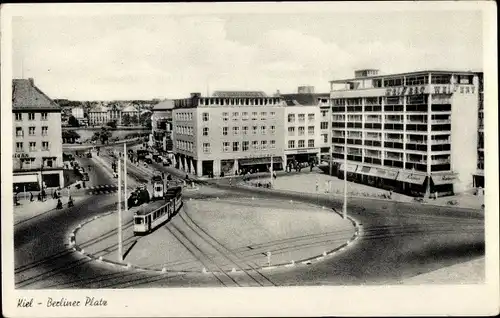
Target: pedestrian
317, 186
311, 166
274, 175
31, 196
327, 186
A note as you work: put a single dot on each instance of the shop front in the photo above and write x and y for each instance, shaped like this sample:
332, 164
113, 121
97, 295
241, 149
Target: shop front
478, 179
412, 183
262, 164
26, 182
442, 183
302, 157
378, 177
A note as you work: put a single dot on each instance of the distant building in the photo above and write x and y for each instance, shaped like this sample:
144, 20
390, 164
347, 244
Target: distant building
131, 112
37, 146
161, 125
410, 132
98, 115
228, 132
302, 125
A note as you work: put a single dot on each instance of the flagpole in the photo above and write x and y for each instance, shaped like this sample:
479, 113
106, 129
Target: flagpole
120, 252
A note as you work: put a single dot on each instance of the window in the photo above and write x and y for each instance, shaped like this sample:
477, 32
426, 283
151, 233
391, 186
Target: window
272, 144
325, 138
291, 118
310, 117
44, 131
19, 116
263, 115
310, 130
205, 131
302, 130
310, 143
302, 143
302, 118
44, 116
272, 114
291, 143
31, 116
236, 146
291, 131
206, 147
255, 145
273, 129
263, 130
224, 131
244, 115
205, 117
324, 113
19, 131
245, 145
236, 130
32, 146
324, 125
254, 130
19, 146
235, 116
45, 145
263, 144
225, 116
48, 162
254, 115
245, 130
225, 146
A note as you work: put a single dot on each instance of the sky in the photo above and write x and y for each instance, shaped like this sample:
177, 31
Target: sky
119, 57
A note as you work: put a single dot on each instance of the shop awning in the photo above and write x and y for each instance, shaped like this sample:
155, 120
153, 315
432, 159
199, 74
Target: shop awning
27, 178
259, 161
411, 177
350, 167
386, 174
445, 178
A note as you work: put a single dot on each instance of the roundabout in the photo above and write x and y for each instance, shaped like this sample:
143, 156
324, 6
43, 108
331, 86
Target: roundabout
222, 235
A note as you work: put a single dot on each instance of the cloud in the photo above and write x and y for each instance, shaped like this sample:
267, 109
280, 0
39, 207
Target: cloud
161, 56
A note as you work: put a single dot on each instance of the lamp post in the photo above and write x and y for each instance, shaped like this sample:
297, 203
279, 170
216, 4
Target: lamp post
120, 252
330, 133
344, 208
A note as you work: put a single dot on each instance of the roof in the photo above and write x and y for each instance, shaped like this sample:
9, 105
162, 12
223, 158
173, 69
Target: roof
405, 74
164, 105
239, 94
25, 95
99, 108
303, 99
129, 108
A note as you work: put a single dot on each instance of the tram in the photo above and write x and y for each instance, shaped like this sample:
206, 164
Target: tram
158, 187
148, 217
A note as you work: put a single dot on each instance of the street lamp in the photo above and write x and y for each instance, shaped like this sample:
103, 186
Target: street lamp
344, 208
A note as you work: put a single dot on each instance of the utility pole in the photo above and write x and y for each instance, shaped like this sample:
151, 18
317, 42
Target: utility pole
330, 132
120, 251
125, 175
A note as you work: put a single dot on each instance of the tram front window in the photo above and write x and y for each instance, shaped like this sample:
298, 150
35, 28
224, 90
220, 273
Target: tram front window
139, 220
158, 189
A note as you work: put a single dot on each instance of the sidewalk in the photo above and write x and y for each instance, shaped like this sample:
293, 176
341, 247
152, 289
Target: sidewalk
28, 210
472, 272
306, 182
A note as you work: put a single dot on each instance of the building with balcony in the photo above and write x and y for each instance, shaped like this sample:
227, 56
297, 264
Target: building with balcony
479, 175
303, 119
37, 144
409, 132
228, 132
161, 125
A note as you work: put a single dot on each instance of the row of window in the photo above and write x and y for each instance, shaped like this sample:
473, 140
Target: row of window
29, 163
301, 117
244, 130
301, 143
184, 116
31, 131
32, 146
244, 115
184, 130
184, 145
302, 131
31, 116
245, 145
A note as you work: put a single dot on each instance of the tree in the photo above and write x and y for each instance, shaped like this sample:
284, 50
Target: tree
126, 120
70, 136
134, 119
73, 122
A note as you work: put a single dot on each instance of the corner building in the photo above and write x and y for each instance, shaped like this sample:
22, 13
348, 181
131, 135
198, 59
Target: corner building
228, 132
37, 133
414, 133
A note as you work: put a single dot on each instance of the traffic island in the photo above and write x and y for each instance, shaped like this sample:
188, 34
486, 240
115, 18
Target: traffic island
223, 235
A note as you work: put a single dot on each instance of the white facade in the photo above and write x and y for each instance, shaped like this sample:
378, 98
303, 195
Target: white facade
302, 130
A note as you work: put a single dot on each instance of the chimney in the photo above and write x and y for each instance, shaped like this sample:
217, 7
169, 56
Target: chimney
32, 81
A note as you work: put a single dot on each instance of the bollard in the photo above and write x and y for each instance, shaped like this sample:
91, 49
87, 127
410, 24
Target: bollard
163, 270
204, 270
192, 184
324, 253
100, 258
82, 251
217, 198
253, 198
129, 265
233, 270
291, 201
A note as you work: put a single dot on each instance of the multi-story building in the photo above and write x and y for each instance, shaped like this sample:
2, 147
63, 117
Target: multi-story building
411, 132
479, 175
37, 146
131, 112
303, 120
161, 125
98, 115
79, 115
228, 132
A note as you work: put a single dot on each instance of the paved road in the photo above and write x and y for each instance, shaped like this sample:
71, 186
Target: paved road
399, 241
